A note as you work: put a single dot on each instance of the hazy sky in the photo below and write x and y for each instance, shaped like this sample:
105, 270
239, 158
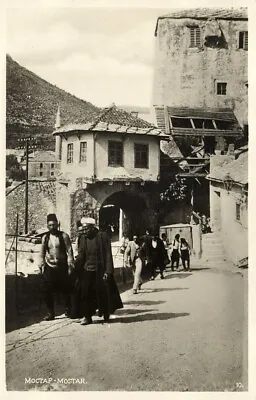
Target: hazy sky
102, 55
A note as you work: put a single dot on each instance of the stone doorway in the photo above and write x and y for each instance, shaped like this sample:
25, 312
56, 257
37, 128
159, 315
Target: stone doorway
123, 212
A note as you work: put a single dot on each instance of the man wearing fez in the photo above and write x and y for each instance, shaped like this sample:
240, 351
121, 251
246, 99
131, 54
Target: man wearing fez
94, 266
56, 266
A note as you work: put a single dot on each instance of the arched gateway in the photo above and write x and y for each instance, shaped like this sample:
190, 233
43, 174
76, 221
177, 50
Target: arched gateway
109, 164
117, 207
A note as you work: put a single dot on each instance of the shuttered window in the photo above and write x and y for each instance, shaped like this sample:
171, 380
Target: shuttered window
195, 36
221, 88
243, 40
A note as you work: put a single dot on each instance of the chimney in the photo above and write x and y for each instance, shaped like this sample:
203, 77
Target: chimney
57, 122
58, 138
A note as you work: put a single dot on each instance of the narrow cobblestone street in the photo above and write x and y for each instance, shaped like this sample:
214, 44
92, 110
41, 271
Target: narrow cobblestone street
184, 333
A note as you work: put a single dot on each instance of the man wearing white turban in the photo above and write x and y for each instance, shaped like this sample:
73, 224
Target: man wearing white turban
94, 265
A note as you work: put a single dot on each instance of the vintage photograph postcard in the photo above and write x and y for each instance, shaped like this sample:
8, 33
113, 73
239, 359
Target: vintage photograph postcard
126, 197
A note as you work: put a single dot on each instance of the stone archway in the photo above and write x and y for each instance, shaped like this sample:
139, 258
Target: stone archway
137, 201
123, 211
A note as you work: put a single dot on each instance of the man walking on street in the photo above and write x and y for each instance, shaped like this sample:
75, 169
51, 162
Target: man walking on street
134, 258
56, 265
94, 266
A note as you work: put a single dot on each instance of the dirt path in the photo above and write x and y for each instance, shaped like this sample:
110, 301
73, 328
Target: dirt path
184, 333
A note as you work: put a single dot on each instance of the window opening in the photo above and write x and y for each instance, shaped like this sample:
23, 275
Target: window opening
115, 153
141, 155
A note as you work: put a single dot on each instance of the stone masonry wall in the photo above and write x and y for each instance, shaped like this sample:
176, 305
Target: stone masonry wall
186, 76
41, 201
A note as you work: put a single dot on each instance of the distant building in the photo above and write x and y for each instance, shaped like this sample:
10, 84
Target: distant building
42, 164
110, 169
229, 202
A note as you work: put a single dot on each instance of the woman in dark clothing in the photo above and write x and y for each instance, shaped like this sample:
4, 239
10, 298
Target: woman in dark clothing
185, 254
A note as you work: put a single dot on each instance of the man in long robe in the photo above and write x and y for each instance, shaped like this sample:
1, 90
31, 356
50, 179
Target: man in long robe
96, 287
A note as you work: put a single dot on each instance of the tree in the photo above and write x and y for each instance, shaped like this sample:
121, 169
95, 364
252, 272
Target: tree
173, 193
13, 168
12, 162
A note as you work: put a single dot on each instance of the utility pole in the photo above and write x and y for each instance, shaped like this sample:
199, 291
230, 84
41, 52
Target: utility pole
27, 141
26, 191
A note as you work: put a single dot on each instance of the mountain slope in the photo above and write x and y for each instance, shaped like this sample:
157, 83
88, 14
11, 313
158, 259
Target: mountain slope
32, 102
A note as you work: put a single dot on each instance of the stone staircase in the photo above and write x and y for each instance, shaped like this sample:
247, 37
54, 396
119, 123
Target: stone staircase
213, 254
214, 257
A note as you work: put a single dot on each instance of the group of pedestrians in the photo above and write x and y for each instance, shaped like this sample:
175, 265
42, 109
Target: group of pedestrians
87, 281
152, 252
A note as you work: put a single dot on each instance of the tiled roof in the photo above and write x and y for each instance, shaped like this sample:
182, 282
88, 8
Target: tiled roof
237, 169
222, 114
113, 119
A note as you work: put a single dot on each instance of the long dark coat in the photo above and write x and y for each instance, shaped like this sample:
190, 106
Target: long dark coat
107, 294
159, 253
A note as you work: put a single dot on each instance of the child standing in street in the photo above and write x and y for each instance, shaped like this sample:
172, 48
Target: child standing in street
185, 254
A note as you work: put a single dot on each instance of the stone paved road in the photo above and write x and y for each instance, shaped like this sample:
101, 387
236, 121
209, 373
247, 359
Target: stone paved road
184, 333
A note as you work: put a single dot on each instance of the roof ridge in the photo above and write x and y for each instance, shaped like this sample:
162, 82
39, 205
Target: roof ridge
103, 113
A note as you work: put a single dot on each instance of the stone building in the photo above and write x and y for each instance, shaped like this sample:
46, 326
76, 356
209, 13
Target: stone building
229, 202
110, 170
200, 88
201, 58
42, 164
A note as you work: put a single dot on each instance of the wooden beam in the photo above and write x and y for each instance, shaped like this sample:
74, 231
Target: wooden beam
192, 175
192, 123
166, 120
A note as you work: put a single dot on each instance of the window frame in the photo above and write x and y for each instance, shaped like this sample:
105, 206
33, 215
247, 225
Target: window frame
52, 165
41, 165
217, 87
194, 40
70, 153
52, 173
115, 163
84, 160
243, 40
136, 152
40, 173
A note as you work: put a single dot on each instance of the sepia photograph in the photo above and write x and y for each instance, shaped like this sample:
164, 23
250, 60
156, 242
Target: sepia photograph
126, 198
